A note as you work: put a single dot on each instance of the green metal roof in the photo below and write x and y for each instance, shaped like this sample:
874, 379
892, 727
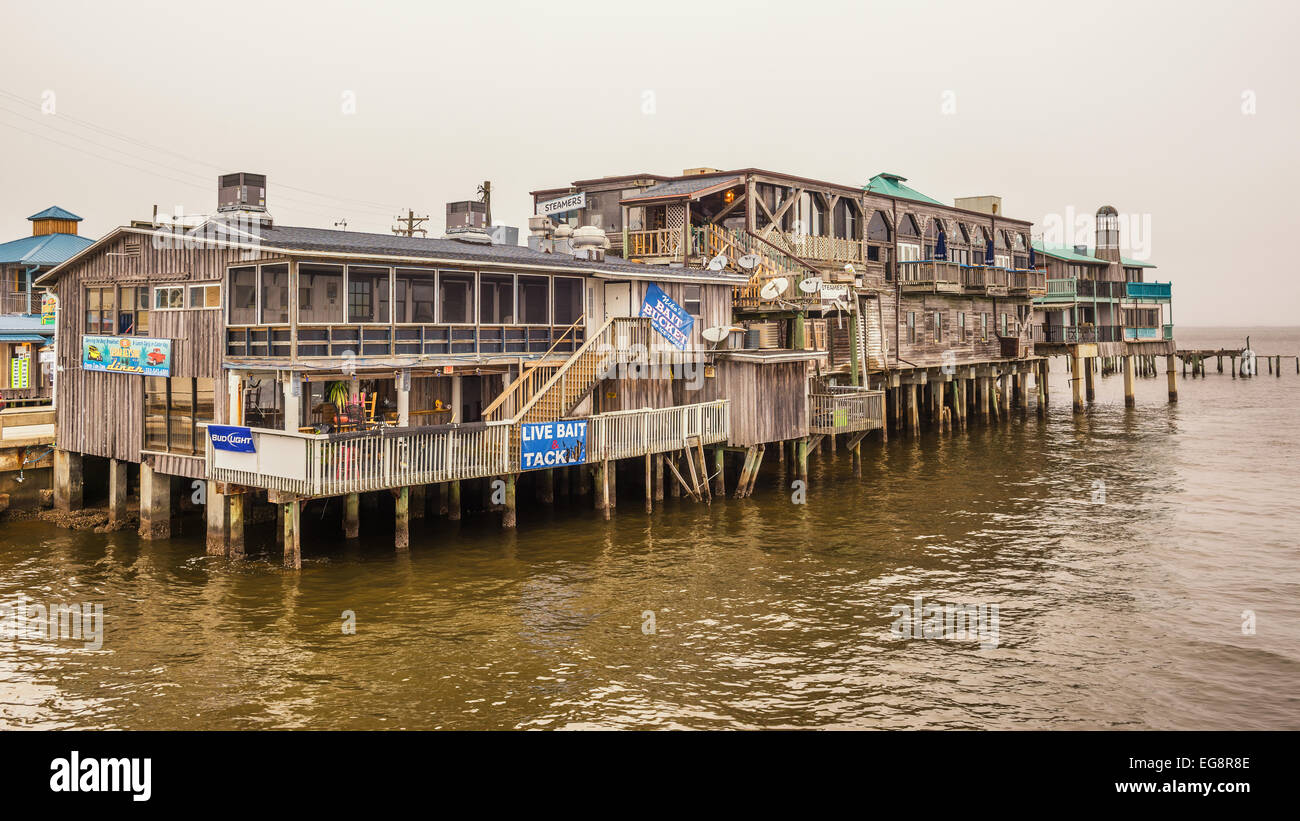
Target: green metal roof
1133, 263
891, 185
1069, 255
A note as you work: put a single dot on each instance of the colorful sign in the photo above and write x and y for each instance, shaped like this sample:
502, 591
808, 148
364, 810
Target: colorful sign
48, 303
552, 444
127, 354
232, 438
667, 317
19, 372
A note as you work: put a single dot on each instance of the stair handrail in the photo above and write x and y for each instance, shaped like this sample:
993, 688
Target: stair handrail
600, 336
505, 394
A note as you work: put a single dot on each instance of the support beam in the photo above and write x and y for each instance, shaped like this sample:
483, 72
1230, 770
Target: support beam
1172, 375
217, 513
1076, 381
155, 504
236, 549
419, 495
1130, 395
649, 483
508, 512
402, 519
659, 477
453, 501
1090, 389
546, 486
352, 515
69, 483
292, 535
117, 492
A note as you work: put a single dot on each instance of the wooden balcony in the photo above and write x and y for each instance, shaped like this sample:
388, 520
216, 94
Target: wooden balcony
845, 409
313, 465
930, 276
1148, 291
1027, 282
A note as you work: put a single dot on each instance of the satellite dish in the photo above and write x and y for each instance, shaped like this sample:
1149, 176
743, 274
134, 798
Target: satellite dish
718, 263
811, 285
774, 288
849, 269
716, 334
749, 261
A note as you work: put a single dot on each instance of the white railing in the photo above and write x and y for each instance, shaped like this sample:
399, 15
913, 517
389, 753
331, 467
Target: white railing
331, 465
845, 408
624, 434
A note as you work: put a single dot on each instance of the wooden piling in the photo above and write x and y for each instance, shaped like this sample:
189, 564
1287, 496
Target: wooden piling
117, 477
453, 501
508, 511
649, 483
352, 516
719, 471
1172, 375
292, 535
1076, 381
236, 541
155, 504
217, 516
69, 483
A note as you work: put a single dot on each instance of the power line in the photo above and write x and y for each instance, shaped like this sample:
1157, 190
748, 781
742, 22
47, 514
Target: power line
412, 225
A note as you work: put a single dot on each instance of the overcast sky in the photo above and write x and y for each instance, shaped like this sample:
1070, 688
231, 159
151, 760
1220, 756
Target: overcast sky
1183, 115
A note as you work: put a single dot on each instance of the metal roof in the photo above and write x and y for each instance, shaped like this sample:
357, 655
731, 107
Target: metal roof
891, 185
50, 249
54, 212
24, 324
1069, 255
22, 338
418, 250
684, 188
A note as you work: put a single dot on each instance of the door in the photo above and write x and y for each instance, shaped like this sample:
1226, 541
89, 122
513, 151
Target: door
618, 299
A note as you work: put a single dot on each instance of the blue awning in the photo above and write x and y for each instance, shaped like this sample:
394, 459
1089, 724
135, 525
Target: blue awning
24, 338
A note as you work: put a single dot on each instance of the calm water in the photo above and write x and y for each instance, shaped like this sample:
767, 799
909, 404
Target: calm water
1126, 613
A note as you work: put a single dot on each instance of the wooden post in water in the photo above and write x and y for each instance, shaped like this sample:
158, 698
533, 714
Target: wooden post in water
1172, 374
659, 477
913, 415
546, 486
117, 492
720, 469
1076, 381
217, 514
602, 487
803, 456
508, 510
236, 549
402, 518
1130, 394
1040, 385
155, 504
453, 501
352, 516
1090, 389
69, 484
649, 483
292, 535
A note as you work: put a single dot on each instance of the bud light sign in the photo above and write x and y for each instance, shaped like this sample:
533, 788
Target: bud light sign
229, 437
552, 444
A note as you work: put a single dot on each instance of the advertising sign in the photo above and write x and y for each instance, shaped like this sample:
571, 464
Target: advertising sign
127, 354
48, 304
667, 317
552, 444
232, 438
570, 203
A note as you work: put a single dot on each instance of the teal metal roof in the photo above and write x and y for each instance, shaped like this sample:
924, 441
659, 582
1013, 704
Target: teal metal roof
891, 185
1066, 254
54, 212
50, 249
23, 338
1133, 263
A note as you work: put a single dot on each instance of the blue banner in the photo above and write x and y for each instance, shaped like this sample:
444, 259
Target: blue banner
667, 317
231, 437
552, 444
127, 354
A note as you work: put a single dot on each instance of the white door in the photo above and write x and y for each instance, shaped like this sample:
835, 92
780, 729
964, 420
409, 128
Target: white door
618, 299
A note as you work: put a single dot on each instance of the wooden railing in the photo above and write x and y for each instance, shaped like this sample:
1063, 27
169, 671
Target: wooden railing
618, 341
844, 409
311, 465
531, 380
335, 464
660, 242
930, 275
1027, 281
625, 434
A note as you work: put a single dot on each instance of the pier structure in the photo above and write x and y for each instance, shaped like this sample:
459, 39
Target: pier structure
1102, 314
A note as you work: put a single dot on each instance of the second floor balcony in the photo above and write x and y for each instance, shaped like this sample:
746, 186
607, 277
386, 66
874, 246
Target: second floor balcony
1148, 291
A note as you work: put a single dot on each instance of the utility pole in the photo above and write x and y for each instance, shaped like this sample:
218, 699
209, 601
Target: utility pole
485, 196
412, 225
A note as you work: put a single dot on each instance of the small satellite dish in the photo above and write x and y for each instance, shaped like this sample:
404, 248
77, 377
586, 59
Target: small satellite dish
811, 285
749, 261
849, 269
716, 334
718, 263
774, 288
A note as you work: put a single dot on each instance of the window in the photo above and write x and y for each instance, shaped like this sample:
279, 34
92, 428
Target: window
691, 303
172, 408
496, 303
908, 252
133, 310
907, 226
911, 327
414, 295
567, 300
242, 293
275, 294
369, 295
101, 318
938, 326
534, 300
169, 298
1005, 316
204, 296
961, 326
320, 293
878, 228
455, 302
984, 327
